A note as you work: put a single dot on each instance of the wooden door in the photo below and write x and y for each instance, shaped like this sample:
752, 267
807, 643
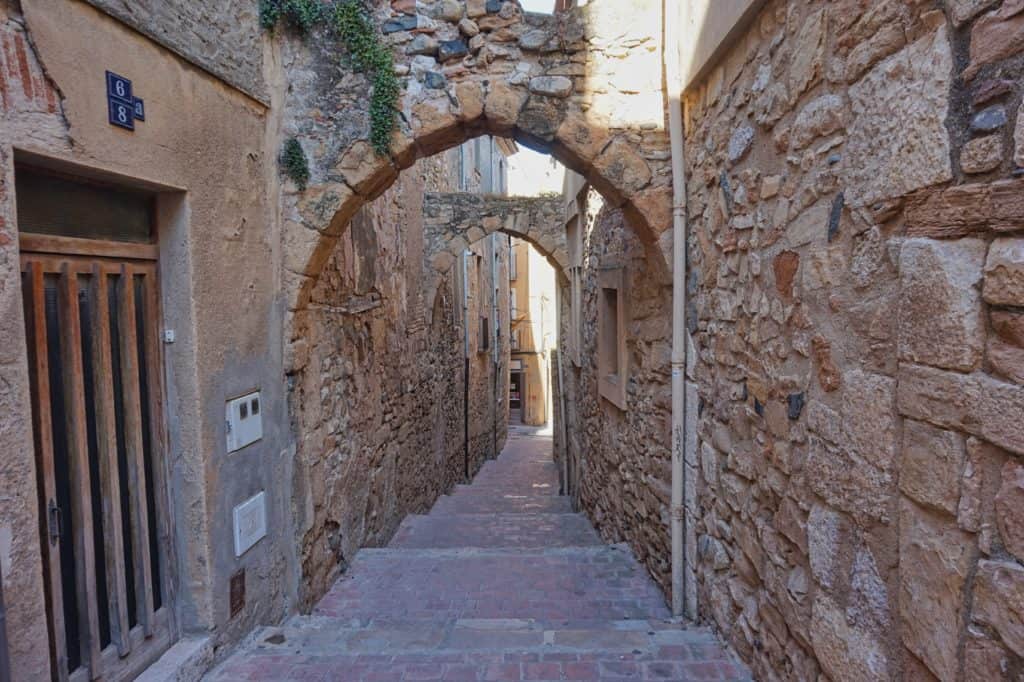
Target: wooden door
91, 314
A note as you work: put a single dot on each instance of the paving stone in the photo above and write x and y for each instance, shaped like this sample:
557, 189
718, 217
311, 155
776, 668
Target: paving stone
495, 530
486, 587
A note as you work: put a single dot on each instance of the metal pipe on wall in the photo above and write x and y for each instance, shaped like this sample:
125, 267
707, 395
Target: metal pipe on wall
672, 11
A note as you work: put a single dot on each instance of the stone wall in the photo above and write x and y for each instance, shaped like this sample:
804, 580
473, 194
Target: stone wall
856, 242
620, 460
378, 404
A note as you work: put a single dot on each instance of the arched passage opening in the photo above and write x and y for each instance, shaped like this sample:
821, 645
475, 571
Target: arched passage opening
362, 372
552, 84
455, 221
619, 174
584, 85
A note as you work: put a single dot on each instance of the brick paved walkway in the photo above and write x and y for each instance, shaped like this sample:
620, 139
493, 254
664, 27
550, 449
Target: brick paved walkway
501, 581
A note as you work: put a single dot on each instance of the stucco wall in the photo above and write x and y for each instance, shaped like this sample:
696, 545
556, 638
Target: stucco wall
30, 112
537, 322
222, 37
858, 339
204, 148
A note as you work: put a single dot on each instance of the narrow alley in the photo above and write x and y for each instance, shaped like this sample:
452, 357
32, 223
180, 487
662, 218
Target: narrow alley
501, 581
288, 289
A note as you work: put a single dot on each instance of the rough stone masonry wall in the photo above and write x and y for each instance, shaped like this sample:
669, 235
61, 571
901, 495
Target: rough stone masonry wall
622, 458
859, 260
378, 405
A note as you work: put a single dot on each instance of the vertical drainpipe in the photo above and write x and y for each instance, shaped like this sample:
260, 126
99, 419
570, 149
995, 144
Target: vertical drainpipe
465, 371
672, 12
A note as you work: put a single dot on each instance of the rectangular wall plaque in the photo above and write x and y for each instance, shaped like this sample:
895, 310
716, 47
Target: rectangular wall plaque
119, 87
123, 108
122, 115
250, 519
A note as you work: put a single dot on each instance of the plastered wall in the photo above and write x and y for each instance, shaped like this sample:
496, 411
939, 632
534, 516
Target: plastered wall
203, 148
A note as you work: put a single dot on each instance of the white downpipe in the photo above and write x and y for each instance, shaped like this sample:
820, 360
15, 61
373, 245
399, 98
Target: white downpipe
673, 10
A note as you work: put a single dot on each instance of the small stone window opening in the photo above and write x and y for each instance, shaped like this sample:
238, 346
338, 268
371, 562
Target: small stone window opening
485, 335
609, 333
483, 302
611, 340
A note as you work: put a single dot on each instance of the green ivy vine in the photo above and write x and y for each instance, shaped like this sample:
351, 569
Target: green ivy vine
351, 22
293, 160
369, 54
302, 15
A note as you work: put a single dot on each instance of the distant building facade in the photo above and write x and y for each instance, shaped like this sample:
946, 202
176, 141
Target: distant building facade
534, 334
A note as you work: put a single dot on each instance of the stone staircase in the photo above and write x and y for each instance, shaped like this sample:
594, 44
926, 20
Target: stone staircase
501, 581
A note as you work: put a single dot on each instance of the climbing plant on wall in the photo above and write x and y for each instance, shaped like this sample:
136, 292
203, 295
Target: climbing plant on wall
303, 15
368, 54
293, 161
350, 21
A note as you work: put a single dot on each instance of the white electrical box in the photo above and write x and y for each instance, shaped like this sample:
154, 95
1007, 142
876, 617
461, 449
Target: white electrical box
244, 421
250, 523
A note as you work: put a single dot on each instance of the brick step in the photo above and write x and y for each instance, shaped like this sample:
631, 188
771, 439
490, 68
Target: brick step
450, 610
501, 635
515, 479
334, 649
496, 481
576, 583
472, 503
495, 530
322, 663
500, 488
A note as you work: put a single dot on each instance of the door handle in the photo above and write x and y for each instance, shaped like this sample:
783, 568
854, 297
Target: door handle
55, 522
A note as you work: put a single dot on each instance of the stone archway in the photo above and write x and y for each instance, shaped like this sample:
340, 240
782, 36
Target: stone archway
583, 85
454, 221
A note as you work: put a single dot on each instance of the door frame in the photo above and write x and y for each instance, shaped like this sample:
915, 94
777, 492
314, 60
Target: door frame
147, 641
